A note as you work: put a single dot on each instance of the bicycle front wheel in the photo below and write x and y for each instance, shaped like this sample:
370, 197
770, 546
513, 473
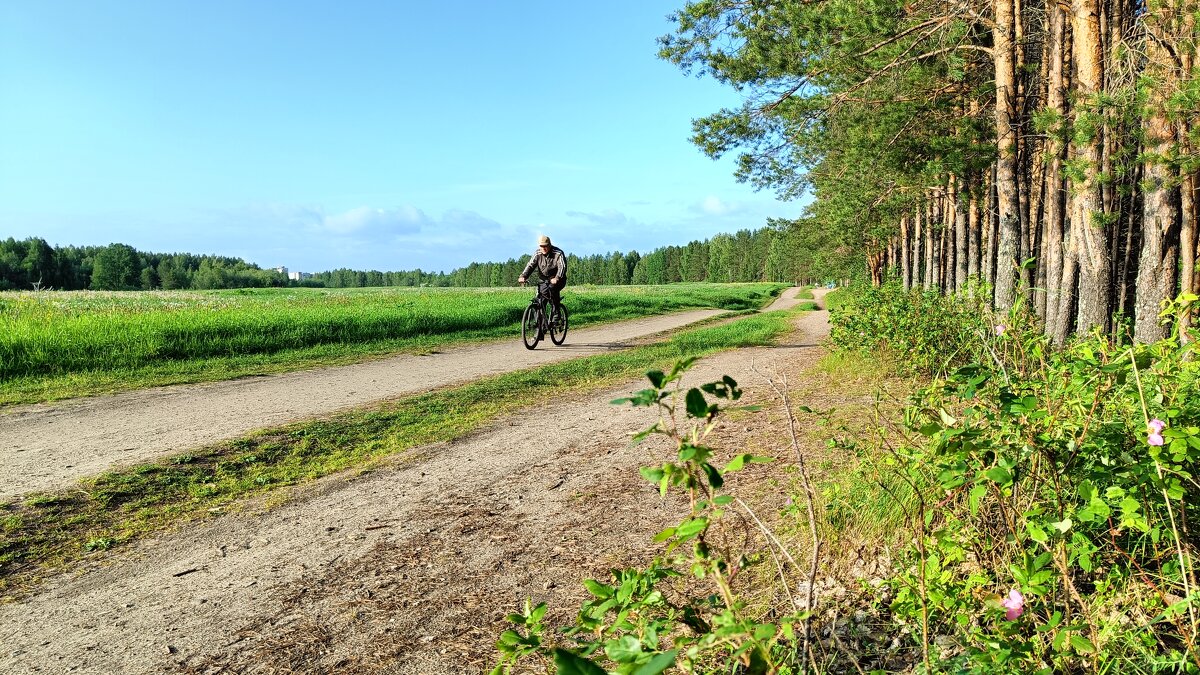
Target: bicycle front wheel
558, 326
531, 326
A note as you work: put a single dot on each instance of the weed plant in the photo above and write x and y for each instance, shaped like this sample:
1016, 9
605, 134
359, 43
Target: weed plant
1046, 494
646, 620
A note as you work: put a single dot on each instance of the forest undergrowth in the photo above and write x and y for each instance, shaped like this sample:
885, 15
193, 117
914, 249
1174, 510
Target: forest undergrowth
1025, 509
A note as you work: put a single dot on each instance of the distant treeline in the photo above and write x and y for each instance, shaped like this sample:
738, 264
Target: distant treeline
778, 252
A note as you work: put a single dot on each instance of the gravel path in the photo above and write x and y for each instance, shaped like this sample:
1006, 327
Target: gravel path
406, 569
48, 447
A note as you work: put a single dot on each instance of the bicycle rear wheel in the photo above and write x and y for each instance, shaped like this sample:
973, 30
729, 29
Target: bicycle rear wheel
531, 326
558, 326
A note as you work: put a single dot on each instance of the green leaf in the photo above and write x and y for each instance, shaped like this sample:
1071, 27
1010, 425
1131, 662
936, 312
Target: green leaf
1062, 526
722, 500
642, 435
658, 664
627, 649
714, 476
644, 397
696, 405
573, 664
764, 631
651, 473
656, 377
598, 589
680, 366
689, 528
975, 496
930, 429
1087, 490
998, 474
1052, 623
1036, 532
736, 463
1082, 644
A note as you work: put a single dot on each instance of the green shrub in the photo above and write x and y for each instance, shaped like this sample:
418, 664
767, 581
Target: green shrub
1051, 529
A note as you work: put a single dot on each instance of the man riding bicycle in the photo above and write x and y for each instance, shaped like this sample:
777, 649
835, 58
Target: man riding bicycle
551, 264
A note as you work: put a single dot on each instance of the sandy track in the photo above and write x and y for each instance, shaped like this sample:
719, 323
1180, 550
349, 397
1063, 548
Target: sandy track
49, 447
406, 569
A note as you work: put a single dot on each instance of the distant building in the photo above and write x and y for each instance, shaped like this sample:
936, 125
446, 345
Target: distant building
298, 276
282, 270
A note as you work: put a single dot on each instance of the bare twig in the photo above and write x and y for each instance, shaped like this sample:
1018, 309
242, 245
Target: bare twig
781, 390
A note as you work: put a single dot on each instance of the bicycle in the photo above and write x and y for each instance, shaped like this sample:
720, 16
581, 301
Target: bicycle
541, 317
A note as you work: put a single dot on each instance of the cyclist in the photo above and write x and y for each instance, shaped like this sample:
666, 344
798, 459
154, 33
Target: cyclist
551, 263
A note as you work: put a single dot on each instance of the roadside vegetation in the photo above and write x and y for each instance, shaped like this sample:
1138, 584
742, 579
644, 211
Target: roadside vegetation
45, 533
1044, 493
66, 344
1026, 510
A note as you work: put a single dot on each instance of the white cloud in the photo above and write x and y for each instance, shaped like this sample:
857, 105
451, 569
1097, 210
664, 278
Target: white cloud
606, 217
713, 206
376, 221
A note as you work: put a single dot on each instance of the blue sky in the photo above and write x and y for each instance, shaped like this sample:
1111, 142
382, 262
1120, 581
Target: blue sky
370, 135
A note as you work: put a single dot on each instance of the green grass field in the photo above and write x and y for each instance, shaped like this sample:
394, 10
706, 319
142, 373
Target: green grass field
64, 344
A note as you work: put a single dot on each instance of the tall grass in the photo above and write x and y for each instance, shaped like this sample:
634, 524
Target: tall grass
47, 335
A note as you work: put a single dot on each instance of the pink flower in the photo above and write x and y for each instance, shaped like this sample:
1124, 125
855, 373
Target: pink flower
1154, 439
1015, 604
999, 329
1156, 425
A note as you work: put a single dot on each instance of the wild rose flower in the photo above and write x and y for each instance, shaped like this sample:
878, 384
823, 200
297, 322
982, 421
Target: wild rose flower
1155, 427
1015, 604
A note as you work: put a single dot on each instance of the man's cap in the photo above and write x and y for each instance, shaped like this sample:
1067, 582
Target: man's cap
543, 240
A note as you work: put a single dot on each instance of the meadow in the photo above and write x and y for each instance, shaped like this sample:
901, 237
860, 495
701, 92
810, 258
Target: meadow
60, 344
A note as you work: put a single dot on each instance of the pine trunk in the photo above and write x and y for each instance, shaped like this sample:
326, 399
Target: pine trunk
905, 260
1089, 226
1189, 205
1007, 201
974, 253
1160, 207
1052, 232
929, 223
960, 235
989, 229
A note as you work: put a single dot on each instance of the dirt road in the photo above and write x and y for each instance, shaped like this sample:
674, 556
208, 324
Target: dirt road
407, 569
49, 447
